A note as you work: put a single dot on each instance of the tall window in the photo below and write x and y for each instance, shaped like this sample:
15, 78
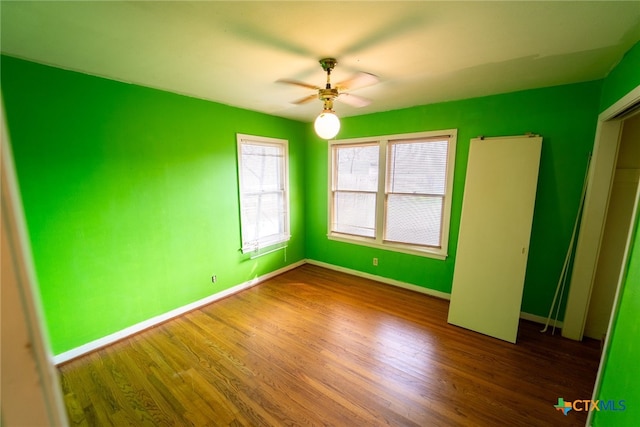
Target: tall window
355, 189
264, 191
393, 192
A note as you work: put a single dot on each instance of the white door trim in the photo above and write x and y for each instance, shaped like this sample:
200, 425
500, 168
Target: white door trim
601, 174
35, 396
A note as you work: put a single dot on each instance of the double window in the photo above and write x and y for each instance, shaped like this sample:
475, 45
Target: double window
264, 191
393, 192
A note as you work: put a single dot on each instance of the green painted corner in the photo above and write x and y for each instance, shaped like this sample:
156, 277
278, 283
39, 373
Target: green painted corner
623, 78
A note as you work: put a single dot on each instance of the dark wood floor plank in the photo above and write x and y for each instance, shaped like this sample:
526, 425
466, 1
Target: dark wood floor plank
319, 347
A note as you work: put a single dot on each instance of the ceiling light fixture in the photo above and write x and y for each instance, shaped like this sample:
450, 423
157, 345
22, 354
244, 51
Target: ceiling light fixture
327, 124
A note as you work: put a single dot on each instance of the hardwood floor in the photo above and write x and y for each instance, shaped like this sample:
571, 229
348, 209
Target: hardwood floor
318, 347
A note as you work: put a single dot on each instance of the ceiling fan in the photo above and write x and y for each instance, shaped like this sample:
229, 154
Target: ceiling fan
327, 123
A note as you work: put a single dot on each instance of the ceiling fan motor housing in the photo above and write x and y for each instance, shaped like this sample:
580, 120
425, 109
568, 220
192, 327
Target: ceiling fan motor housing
328, 64
327, 94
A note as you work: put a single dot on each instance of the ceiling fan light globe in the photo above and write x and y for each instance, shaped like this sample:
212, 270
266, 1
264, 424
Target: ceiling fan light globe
327, 125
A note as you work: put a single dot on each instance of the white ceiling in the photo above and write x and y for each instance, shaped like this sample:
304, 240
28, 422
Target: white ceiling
233, 52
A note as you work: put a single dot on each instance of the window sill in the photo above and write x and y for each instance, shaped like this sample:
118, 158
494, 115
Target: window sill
266, 246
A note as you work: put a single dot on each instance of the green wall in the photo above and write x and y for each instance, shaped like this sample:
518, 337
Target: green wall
566, 118
621, 370
622, 79
131, 197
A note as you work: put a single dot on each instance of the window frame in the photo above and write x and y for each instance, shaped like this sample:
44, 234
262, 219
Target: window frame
285, 234
381, 209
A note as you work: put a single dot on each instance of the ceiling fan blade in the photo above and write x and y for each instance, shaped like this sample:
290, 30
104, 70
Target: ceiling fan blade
297, 83
353, 100
361, 79
305, 100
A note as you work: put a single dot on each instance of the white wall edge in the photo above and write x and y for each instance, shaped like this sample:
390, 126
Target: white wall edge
139, 327
385, 280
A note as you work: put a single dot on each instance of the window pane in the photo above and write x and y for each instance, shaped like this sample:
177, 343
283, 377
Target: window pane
355, 213
418, 167
261, 166
263, 215
357, 168
414, 219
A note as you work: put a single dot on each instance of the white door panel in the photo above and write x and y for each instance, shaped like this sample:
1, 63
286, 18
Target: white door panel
495, 228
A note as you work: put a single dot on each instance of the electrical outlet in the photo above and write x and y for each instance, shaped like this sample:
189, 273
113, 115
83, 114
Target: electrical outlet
375, 261
214, 278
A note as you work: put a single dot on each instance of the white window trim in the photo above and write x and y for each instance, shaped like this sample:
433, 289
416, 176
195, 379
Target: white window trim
378, 241
286, 236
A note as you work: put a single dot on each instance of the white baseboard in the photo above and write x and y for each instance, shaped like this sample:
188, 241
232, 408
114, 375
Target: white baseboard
405, 285
540, 319
149, 323
139, 327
